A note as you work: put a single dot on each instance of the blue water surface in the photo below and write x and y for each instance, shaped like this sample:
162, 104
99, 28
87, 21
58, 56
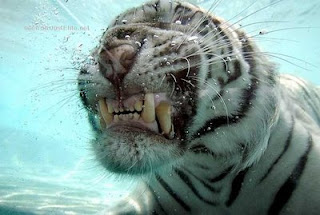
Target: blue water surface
46, 166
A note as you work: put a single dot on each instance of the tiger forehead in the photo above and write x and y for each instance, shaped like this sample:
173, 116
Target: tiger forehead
160, 12
129, 34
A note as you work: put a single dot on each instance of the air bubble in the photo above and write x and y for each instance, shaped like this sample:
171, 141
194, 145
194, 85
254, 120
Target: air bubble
178, 22
168, 63
209, 129
229, 72
263, 32
145, 40
127, 36
138, 43
193, 38
155, 36
124, 21
243, 40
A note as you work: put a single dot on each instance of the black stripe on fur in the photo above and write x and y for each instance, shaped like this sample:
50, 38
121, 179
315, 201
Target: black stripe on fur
173, 193
287, 189
236, 187
288, 141
185, 178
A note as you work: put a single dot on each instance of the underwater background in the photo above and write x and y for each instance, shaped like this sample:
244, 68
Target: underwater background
46, 166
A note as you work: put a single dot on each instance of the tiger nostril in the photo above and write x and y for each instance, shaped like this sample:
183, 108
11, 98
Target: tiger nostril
117, 61
127, 55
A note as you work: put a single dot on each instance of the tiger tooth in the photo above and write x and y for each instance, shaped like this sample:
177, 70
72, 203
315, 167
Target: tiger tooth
102, 122
136, 116
138, 106
125, 117
171, 135
110, 108
104, 111
116, 118
148, 114
163, 112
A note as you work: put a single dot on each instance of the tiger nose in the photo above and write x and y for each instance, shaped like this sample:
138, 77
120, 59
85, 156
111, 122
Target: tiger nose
116, 63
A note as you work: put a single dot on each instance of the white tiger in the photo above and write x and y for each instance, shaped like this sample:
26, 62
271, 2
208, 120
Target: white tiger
186, 103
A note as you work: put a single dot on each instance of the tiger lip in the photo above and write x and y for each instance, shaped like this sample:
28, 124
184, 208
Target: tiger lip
150, 110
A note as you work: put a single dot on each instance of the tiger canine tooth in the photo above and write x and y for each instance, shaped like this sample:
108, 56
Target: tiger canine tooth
148, 114
104, 111
102, 122
138, 106
110, 108
163, 112
171, 134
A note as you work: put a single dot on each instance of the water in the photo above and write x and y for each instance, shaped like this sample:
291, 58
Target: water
45, 159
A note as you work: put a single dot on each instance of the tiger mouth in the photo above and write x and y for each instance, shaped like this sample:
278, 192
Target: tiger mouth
150, 112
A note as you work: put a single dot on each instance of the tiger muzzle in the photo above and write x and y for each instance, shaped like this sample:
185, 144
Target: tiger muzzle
116, 62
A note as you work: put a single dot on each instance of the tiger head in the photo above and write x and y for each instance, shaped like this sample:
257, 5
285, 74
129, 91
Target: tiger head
168, 81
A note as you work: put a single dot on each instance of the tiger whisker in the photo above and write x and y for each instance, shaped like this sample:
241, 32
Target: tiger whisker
206, 15
211, 87
257, 11
62, 103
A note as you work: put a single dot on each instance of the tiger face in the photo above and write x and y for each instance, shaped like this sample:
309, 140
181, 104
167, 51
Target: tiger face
164, 83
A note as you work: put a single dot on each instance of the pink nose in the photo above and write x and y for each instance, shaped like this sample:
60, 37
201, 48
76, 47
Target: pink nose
117, 62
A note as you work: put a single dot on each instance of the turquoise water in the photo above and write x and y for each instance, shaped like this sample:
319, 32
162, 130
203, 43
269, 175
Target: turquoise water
46, 166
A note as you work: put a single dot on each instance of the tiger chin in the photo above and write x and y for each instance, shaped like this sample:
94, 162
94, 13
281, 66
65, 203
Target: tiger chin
187, 104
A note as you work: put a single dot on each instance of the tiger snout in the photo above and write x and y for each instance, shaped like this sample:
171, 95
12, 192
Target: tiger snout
116, 62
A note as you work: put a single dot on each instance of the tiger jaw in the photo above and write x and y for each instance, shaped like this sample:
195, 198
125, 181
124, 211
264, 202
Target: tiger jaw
152, 112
